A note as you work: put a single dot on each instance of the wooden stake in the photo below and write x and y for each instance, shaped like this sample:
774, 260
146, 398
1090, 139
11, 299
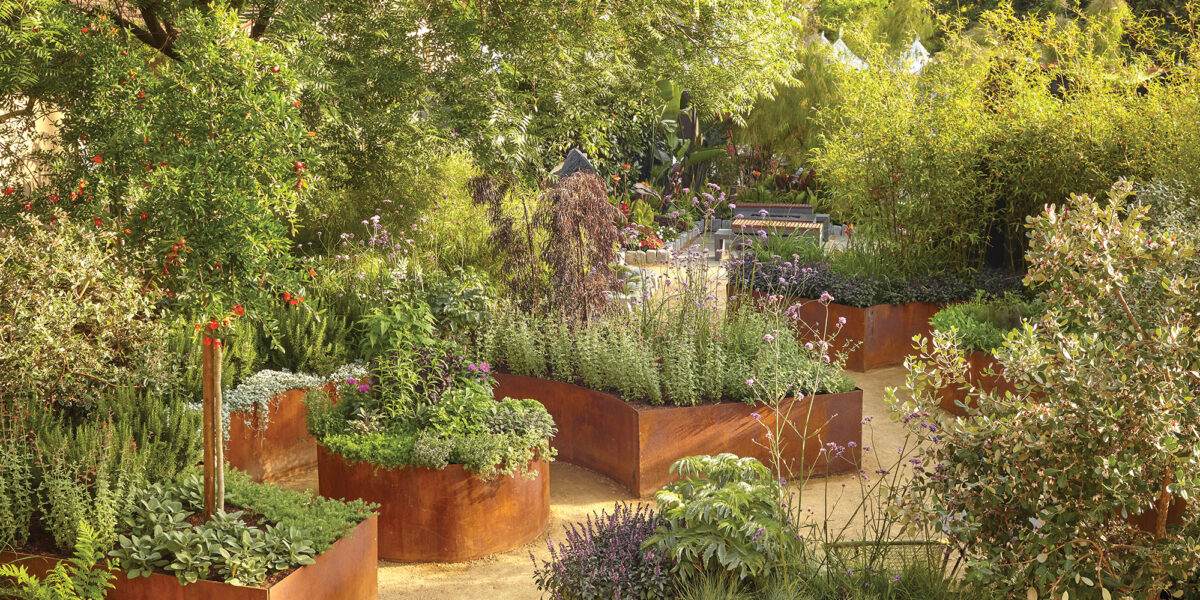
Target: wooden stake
218, 429
209, 454
214, 432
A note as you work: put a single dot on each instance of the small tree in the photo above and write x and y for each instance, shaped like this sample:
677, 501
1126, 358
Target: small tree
1064, 488
581, 244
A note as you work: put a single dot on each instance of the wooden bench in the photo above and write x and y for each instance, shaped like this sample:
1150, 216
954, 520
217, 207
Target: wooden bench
788, 219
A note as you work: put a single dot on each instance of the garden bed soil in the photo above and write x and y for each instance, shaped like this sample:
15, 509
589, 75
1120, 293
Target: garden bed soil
346, 571
978, 365
880, 335
275, 447
636, 444
446, 515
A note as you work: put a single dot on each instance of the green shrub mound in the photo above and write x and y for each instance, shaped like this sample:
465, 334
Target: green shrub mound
427, 407
980, 325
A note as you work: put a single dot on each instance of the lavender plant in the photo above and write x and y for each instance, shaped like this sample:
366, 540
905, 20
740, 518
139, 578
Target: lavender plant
607, 558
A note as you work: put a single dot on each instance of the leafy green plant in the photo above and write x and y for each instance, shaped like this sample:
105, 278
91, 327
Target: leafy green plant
722, 516
294, 528
982, 324
80, 324
405, 324
76, 578
1106, 382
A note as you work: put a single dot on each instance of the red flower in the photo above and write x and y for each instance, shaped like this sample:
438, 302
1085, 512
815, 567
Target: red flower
85, 30
213, 324
28, 205
296, 103
312, 272
294, 301
287, 295
145, 216
98, 221
625, 207
208, 341
98, 159
141, 94
8, 191
239, 310
54, 199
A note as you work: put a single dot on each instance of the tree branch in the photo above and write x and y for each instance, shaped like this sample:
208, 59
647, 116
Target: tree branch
263, 20
23, 112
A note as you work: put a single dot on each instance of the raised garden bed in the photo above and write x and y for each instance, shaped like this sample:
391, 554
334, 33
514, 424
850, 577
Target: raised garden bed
346, 571
636, 444
881, 335
272, 443
445, 515
979, 363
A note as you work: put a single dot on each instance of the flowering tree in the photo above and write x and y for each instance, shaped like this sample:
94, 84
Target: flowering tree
1074, 484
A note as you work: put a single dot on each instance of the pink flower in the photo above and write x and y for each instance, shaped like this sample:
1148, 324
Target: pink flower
826, 298
364, 388
841, 321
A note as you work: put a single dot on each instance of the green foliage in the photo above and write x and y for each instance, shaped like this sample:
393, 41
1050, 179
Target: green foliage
18, 477
460, 300
301, 339
721, 516
1041, 485
426, 406
405, 324
92, 475
982, 324
680, 357
77, 322
77, 578
294, 527
201, 154
1011, 116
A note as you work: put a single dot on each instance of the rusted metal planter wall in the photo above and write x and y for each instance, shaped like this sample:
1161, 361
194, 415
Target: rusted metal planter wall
636, 444
882, 334
346, 571
446, 515
273, 448
978, 365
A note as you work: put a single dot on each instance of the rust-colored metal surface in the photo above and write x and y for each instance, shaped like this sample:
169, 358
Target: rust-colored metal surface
280, 448
346, 571
447, 515
636, 444
879, 335
596, 431
667, 434
979, 364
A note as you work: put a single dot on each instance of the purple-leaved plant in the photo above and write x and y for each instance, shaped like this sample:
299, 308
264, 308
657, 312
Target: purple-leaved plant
603, 558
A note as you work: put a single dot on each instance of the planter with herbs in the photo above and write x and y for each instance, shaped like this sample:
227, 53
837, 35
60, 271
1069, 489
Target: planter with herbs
268, 435
979, 327
267, 544
636, 443
630, 401
457, 474
874, 318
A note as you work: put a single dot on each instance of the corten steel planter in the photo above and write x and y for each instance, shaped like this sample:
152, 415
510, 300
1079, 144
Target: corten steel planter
446, 515
636, 444
346, 571
979, 363
882, 335
275, 447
